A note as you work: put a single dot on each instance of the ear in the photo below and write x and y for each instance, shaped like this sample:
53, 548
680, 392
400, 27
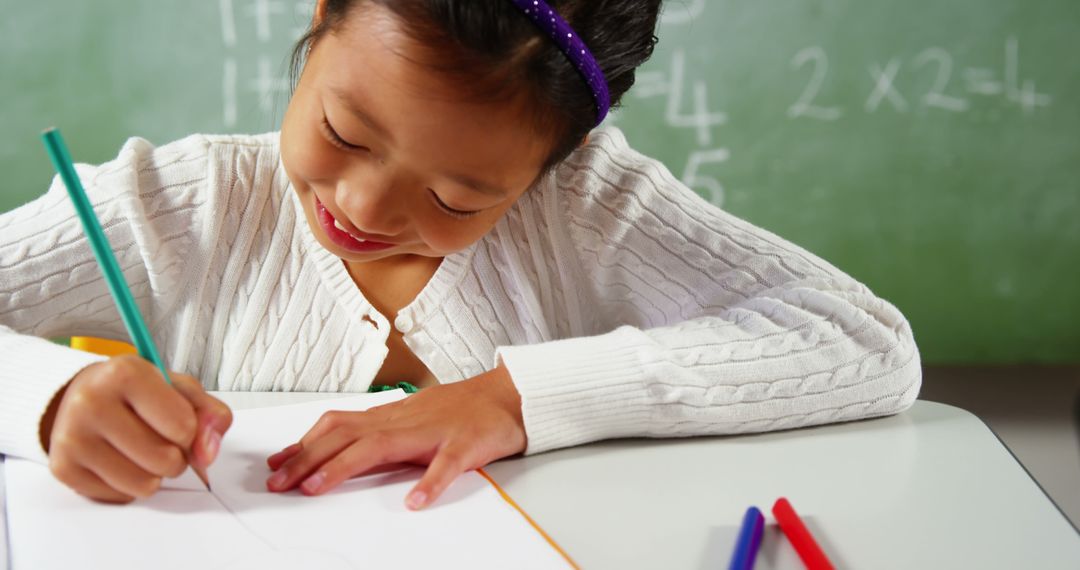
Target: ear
319, 14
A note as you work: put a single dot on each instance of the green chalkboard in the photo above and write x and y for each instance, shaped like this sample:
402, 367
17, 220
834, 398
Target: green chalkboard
931, 149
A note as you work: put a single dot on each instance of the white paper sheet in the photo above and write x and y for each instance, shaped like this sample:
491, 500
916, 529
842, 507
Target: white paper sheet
3, 520
363, 524
52, 527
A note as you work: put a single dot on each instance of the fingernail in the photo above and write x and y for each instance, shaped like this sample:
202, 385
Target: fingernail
416, 500
215, 421
213, 444
289, 449
276, 480
312, 484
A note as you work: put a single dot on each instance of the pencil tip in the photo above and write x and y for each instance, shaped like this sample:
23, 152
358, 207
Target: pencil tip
201, 472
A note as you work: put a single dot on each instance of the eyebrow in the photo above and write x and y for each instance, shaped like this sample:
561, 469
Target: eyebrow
478, 185
464, 180
361, 114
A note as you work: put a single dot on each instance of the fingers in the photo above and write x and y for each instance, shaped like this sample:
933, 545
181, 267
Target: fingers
209, 409
300, 466
275, 461
214, 418
142, 445
452, 428
119, 428
328, 422
86, 483
331, 421
363, 456
114, 469
317, 447
161, 406
318, 470
450, 462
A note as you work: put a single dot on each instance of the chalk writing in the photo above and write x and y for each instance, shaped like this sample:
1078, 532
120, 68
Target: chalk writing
694, 179
805, 106
672, 85
883, 87
250, 76
937, 97
978, 82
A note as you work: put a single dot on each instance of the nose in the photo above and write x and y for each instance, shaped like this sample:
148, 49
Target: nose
373, 200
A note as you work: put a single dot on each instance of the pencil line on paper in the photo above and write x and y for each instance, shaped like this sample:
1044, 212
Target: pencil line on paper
241, 521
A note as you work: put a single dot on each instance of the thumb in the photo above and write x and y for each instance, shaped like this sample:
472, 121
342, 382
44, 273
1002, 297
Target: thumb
213, 415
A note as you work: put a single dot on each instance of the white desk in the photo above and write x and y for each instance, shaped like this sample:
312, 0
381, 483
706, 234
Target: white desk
930, 488
3, 520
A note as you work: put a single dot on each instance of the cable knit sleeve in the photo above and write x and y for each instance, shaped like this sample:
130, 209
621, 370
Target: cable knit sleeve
50, 283
709, 325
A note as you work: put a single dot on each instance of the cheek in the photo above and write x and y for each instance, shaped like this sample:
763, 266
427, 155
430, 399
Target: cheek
447, 235
308, 157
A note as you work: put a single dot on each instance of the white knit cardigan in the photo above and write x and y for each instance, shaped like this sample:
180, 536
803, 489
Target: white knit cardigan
621, 303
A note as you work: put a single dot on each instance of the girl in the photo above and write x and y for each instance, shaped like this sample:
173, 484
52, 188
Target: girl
437, 209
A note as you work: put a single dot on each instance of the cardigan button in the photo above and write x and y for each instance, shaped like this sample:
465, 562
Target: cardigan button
403, 324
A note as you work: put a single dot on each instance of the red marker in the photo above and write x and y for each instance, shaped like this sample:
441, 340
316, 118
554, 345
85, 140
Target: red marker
797, 533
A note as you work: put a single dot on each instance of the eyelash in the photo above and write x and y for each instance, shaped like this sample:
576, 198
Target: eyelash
459, 214
337, 141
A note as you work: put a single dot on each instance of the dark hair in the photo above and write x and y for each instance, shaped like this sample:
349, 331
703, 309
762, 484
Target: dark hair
503, 54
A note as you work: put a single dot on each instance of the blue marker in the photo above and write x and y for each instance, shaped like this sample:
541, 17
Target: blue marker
749, 540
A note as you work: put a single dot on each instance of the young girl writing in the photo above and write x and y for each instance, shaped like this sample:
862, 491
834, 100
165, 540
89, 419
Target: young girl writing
438, 208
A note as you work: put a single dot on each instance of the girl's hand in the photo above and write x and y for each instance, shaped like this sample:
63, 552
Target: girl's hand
117, 429
452, 428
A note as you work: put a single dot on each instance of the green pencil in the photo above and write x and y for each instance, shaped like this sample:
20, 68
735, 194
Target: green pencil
121, 294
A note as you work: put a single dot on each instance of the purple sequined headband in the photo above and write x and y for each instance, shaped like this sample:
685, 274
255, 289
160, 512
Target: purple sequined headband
551, 22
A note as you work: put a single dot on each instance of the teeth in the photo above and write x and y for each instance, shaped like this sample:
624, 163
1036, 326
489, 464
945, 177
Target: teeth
337, 225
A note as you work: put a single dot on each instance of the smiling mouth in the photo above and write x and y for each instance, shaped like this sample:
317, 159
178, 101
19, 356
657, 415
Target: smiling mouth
341, 237
338, 225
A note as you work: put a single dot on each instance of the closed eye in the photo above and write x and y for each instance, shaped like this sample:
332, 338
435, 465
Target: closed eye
335, 139
460, 214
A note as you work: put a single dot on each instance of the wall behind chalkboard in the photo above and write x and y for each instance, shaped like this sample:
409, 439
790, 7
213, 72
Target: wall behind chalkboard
931, 149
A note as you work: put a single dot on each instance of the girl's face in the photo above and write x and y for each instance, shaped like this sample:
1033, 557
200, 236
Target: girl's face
393, 153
